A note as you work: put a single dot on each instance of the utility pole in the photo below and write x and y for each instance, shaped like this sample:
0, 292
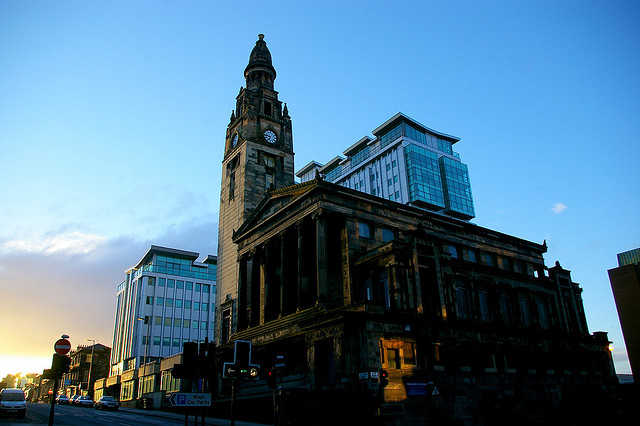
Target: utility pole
233, 401
90, 365
53, 400
59, 366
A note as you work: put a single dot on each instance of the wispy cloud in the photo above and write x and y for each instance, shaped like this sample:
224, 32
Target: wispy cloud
69, 243
559, 208
50, 292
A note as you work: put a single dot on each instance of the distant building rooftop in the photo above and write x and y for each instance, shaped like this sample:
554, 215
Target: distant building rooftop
629, 257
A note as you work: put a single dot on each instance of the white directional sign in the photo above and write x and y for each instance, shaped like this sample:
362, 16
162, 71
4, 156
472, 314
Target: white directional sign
190, 399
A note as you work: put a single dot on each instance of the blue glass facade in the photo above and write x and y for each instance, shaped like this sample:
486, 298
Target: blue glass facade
406, 163
629, 257
457, 188
409, 131
180, 267
333, 173
423, 176
391, 135
360, 156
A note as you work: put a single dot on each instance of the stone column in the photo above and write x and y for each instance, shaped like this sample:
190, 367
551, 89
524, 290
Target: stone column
283, 275
416, 274
396, 297
263, 283
409, 299
346, 271
300, 264
242, 291
439, 278
249, 280
321, 258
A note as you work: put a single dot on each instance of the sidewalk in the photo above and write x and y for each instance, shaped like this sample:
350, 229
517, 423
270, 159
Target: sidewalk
178, 416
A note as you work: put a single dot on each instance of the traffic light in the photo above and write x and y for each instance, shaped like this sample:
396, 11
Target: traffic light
60, 363
384, 378
253, 372
271, 378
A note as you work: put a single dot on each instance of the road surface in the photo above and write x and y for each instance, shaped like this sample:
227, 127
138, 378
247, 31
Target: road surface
38, 414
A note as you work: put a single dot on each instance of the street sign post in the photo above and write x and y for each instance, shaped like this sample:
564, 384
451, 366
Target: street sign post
59, 365
62, 346
193, 399
241, 367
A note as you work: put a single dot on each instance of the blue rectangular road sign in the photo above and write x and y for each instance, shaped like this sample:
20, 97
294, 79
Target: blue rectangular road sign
190, 399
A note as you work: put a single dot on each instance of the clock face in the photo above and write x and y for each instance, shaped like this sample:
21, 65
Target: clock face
270, 137
234, 141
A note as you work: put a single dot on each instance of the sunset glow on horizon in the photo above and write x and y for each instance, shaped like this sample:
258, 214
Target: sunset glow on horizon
112, 134
14, 364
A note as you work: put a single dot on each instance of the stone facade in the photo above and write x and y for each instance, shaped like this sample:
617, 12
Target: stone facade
258, 156
347, 284
77, 378
344, 283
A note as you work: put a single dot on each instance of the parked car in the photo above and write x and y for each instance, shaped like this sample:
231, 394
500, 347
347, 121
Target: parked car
84, 401
63, 399
12, 402
106, 403
73, 400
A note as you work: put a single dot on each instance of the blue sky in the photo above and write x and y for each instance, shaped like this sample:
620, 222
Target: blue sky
112, 121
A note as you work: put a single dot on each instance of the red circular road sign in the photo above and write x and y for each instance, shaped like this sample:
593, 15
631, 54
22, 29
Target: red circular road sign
62, 346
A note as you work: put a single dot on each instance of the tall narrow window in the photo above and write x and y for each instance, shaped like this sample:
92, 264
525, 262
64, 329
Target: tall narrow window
505, 309
451, 251
232, 185
483, 299
462, 308
542, 312
364, 230
267, 108
525, 314
231, 172
469, 255
226, 325
268, 181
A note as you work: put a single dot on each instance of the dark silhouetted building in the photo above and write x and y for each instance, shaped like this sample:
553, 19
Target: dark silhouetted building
625, 283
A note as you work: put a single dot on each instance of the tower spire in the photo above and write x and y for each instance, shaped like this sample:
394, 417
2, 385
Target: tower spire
260, 71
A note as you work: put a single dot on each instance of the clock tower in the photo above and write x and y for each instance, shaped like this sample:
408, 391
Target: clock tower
258, 156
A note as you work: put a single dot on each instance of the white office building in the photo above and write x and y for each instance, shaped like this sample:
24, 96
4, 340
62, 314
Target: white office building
166, 299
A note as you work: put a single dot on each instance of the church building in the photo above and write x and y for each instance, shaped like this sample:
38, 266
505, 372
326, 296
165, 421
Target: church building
348, 285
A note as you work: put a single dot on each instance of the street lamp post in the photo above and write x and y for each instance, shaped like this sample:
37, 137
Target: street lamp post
90, 365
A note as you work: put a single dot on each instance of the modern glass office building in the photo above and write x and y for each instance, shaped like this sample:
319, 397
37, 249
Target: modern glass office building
406, 162
629, 257
166, 299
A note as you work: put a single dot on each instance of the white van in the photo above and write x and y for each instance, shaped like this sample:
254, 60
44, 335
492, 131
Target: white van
12, 402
